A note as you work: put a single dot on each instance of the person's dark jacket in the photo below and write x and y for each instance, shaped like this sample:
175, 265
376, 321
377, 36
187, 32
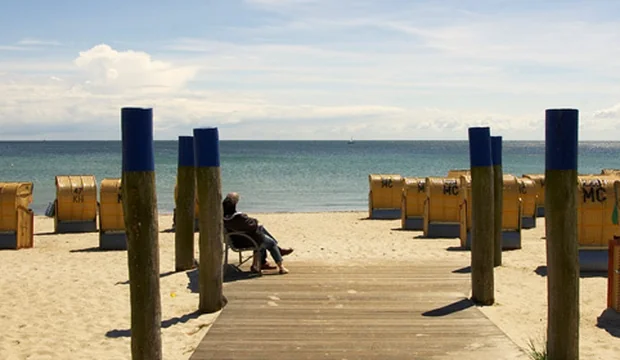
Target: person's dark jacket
240, 222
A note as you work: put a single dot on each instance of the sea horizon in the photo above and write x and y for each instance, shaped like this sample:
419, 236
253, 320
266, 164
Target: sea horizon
280, 175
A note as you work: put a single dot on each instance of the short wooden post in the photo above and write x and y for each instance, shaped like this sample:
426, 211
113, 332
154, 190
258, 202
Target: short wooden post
209, 188
498, 194
483, 239
142, 228
561, 232
185, 206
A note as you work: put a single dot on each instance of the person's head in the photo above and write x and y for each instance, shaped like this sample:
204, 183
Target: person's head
230, 204
233, 196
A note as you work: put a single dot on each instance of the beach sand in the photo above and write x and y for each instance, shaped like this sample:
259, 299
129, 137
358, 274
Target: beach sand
64, 299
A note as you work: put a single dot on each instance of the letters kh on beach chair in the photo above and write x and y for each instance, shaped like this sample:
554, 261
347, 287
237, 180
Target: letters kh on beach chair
75, 204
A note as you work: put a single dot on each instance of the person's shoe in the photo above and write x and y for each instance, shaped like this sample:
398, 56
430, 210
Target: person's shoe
283, 271
268, 266
285, 252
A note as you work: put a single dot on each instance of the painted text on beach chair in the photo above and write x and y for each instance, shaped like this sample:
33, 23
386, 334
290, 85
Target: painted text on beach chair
16, 219
511, 213
441, 208
412, 208
112, 234
384, 197
539, 184
76, 204
596, 204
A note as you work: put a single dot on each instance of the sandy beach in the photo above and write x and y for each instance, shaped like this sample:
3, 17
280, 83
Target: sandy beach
65, 299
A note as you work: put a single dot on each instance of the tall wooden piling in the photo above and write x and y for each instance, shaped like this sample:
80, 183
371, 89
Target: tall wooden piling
498, 194
209, 188
561, 233
142, 228
483, 240
185, 206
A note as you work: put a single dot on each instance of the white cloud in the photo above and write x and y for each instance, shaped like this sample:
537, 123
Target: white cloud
38, 42
86, 104
109, 70
609, 113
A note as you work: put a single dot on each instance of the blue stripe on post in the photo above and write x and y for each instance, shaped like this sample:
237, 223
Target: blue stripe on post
561, 128
137, 137
496, 150
480, 147
186, 151
206, 147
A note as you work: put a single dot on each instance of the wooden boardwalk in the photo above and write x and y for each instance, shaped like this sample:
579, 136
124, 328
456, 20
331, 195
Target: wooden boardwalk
390, 311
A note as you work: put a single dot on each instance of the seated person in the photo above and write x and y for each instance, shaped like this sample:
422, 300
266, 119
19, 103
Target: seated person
235, 221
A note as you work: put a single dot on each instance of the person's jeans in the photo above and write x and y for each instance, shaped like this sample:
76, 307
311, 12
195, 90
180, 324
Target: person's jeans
271, 244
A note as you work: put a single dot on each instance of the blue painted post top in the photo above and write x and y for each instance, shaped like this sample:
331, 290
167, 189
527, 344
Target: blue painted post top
561, 139
206, 147
480, 147
496, 150
186, 151
137, 138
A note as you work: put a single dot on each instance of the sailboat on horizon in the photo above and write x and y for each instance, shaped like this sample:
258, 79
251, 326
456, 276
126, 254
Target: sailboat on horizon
351, 141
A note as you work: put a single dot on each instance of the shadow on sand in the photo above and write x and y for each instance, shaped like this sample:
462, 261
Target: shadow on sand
162, 275
542, 271
404, 230
93, 249
231, 274
610, 321
463, 270
450, 309
456, 248
116, 333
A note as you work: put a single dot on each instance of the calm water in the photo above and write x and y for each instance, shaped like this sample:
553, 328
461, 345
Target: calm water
275, 176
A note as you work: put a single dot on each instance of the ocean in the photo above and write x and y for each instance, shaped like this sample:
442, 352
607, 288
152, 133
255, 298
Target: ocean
280, 176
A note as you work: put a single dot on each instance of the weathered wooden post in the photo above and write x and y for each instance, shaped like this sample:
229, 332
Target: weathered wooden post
561, 232
498, 194
209, 188
142, 228
483, 239
185, 206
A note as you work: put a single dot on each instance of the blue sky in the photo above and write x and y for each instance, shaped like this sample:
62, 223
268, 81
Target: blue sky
308, 69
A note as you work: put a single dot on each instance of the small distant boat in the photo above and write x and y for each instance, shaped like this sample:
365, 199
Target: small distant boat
351, 141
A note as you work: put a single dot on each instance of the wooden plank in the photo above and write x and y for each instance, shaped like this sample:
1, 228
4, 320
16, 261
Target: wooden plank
371, 311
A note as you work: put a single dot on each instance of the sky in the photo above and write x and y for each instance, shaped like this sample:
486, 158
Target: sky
308, 69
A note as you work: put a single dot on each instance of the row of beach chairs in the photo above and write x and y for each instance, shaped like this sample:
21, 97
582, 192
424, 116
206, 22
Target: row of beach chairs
440, 207
75, 210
